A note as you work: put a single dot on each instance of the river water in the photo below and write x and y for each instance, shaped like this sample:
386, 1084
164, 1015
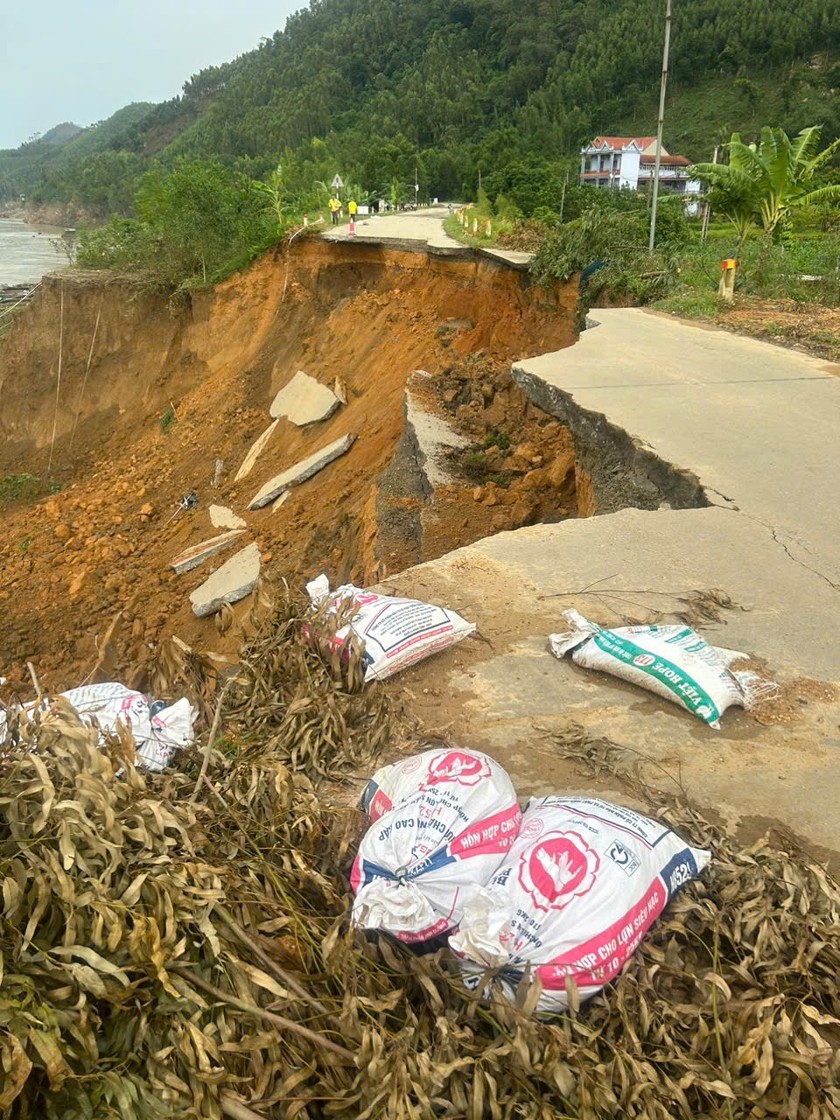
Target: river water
25, 253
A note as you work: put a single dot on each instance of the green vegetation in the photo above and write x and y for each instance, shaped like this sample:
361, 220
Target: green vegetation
608, 245
805, 269
25, 487
195, 224
496, 439
167, 420
470, 99
375, 89
766, 184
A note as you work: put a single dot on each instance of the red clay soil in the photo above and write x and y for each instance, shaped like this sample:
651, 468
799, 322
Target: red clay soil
168, 392
804, 326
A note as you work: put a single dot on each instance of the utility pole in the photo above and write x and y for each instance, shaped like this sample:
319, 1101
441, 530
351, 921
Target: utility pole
707, 209
660, 125
416, 188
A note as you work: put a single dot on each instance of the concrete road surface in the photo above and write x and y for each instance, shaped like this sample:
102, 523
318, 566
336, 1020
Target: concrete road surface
748, 428
758, 424
420, 229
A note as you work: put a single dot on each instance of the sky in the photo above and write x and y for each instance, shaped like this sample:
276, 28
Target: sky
81, 60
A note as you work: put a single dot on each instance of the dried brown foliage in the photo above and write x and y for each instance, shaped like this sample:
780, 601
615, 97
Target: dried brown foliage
164, 957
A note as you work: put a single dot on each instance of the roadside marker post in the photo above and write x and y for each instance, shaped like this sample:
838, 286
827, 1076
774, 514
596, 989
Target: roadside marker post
726, 287
351, 232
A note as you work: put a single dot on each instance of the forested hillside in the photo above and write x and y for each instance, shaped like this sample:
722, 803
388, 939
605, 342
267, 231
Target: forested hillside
373, 88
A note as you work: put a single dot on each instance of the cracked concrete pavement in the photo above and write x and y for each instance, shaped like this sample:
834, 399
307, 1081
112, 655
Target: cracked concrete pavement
420, 229
752, 427
756, 423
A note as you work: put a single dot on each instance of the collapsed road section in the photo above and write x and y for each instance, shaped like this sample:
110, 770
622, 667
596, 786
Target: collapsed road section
287, 396
725, 447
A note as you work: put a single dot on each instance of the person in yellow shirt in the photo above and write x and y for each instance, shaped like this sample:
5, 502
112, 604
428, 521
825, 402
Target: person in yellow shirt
335, 206
351, 209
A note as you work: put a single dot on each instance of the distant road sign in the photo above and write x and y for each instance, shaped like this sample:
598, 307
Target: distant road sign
337, 182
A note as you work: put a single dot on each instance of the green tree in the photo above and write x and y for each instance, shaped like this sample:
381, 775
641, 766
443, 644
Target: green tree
770, 180
208, 217
276, 197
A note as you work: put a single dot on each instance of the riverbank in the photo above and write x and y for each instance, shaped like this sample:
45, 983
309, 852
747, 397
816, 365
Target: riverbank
26, 253
49, 215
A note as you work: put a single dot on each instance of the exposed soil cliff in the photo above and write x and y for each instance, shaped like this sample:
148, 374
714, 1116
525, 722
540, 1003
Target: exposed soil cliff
149, 398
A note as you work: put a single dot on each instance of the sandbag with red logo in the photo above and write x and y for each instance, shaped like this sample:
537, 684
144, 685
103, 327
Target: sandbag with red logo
393, 633
450, 821
159, 731
672, 661
582, 885
392, 784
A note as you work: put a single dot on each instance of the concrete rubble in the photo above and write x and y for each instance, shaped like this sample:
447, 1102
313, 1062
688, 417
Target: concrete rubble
304, 401
300, 472
233, 581
196, 555
257, 448
431, 433
223, 518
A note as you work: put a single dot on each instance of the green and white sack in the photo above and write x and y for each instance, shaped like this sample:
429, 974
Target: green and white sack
672, 661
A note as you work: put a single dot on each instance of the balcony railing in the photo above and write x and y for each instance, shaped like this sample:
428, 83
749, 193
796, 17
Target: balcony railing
664, 172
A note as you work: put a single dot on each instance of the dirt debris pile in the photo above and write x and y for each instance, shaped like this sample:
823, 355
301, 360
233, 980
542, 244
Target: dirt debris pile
477, 458
152, 399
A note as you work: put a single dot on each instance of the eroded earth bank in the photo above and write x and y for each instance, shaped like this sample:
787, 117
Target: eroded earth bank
122, 405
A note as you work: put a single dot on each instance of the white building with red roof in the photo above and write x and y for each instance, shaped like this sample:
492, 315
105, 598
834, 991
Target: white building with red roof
629, 163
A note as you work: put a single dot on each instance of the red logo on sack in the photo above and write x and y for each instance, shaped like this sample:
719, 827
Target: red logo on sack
643, 659
456, 766
559, 868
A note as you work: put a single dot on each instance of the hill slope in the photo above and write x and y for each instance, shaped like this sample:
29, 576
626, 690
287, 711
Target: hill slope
376, 88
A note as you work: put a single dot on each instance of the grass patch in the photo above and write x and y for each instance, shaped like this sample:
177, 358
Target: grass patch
692, 305
479, 239
497, 439
477, 467
502, 479
167, 420
456, 231
825, 338
25, 487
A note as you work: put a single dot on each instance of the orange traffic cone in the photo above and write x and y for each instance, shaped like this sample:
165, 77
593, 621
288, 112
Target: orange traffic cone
351, 232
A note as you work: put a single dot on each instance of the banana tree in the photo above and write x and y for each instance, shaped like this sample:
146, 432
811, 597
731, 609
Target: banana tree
767, 182
276, 196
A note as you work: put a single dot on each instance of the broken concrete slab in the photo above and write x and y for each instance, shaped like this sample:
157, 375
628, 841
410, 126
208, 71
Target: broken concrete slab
429, 429
257, 448
196, 555
300, 472
235, 579
223, 518
513, 258
304, 401
512, 698
698, 406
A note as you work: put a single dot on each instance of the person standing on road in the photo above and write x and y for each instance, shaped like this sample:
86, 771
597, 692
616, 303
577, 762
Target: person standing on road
335, 206
351, 209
